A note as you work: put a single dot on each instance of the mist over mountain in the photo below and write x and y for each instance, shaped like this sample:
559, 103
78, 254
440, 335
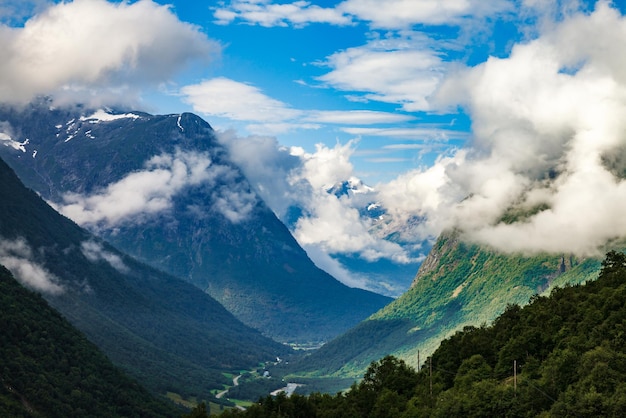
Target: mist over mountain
163, 189
163, 331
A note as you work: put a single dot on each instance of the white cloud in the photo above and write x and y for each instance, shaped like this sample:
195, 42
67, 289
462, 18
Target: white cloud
95, 49
333, 267
425, 134
268, 14
548, 142
396, 14
268, 166
236, 205
226, 98
402, 70
356, 117
94, 252
231, 99
140, 193
336, 227
17, 256
287, 178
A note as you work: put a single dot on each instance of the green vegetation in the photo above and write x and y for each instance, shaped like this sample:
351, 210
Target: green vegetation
561, 355
48, 369
458, 285
163, 331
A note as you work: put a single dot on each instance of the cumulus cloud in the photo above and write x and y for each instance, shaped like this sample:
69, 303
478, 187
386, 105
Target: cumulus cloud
403, 69
17, 256
291, 177
94, 252
94, 48
151, 191
545, 169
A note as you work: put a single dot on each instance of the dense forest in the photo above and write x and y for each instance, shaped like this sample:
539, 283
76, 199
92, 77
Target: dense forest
560, 355
49, 369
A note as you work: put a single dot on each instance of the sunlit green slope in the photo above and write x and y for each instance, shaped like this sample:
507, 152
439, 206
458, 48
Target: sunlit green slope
458, 284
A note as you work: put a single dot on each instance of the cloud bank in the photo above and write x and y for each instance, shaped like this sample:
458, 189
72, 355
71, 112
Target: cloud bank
143, 194
545, 169
17, 256
96, 49
290, 177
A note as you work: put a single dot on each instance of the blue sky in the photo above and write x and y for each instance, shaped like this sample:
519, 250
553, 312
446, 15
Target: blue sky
453, 112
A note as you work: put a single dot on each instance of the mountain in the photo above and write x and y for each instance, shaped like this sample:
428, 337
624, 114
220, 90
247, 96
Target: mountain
559, 356
163, 331
385, 276
458, 285
49, 369
162, 189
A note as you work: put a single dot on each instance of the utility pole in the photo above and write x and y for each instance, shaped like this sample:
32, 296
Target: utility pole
419, 365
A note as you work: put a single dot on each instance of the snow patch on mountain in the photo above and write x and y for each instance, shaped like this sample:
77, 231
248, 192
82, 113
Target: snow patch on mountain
7, 141
102, 115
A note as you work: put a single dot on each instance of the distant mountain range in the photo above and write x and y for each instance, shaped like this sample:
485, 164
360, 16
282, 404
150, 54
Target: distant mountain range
162, 189
165, 332
384, 276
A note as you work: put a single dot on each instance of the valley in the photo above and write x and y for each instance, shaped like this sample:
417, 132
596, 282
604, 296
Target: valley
312, 209
127, 307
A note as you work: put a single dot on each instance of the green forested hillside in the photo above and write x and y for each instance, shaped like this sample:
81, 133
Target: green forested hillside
163, 331
459, 284
563, 355
49, 369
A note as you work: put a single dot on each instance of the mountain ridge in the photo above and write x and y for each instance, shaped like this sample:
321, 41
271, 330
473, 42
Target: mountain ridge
458, 285
158, 328
211, 228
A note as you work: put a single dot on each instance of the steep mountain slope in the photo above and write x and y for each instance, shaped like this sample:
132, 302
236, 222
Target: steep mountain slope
458, 284
162, 189
50, 370
560, 356
162, 330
